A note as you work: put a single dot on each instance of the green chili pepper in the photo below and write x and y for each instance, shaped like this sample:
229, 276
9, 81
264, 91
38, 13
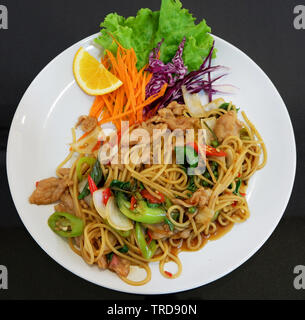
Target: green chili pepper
116, 184
81, 161
147, 250
97, 176
66, 224
142, 213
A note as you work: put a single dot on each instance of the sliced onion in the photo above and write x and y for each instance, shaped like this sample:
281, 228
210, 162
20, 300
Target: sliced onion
116, 218
81, 187
193, 104
99, 203
211, 122
215, 104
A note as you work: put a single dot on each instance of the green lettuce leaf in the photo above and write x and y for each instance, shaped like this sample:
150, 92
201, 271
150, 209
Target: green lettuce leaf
134, 32
176, 23
143, 32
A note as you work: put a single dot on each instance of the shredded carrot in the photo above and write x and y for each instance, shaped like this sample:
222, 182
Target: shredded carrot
128, 101
97, 146
147, 102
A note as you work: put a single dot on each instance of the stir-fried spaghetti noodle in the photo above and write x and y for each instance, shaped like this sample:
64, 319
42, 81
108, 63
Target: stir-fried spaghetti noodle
99, 238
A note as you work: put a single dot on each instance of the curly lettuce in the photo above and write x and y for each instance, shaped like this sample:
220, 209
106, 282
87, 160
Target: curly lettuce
134, 32
143, 32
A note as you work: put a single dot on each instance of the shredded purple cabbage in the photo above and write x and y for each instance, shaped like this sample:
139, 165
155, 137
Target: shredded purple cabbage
165, 73
175, 75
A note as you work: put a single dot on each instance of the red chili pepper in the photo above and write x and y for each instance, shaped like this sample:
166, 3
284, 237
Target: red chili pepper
106, 195
242, 194
161, 196
133, 203
209, 151
168, 273
234, 204
150, 237
119, 136
97, 146
238, 176
37, 183
145, 194
92, 185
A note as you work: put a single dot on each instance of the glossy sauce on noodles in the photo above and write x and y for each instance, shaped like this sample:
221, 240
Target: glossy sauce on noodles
221, 231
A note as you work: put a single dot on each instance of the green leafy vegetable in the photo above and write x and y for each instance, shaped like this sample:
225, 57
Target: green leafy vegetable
215, 142
134, 32
192, 187
124, 249
225, 106
238, 185
152, 205
176, 23
97, 176
143, 32
109, 256
170, 224
192, 210
121, 186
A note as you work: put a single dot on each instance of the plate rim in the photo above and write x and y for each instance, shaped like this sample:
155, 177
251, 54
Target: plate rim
234, 266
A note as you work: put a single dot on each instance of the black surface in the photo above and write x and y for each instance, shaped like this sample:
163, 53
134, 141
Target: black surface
40, 30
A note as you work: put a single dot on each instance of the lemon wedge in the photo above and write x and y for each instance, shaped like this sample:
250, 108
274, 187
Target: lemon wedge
92, 76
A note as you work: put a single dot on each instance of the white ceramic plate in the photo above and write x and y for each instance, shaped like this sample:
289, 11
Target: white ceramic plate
38, 142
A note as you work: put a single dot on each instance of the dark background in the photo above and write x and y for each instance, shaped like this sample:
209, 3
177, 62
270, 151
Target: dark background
40, 30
